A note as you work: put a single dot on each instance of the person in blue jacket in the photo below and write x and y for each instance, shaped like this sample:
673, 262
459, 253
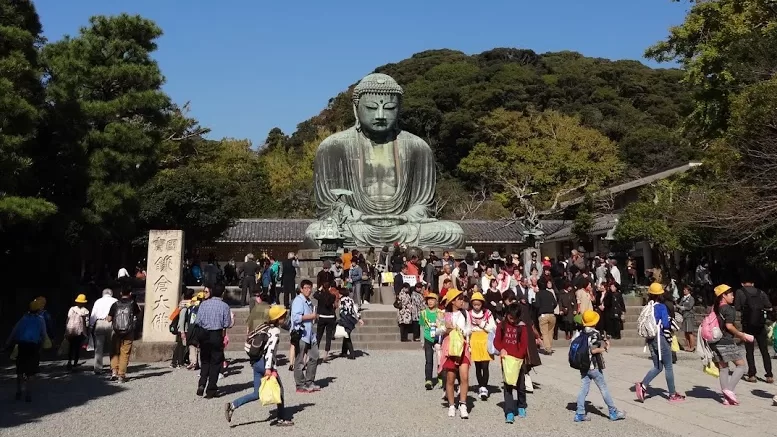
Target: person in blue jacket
660, 347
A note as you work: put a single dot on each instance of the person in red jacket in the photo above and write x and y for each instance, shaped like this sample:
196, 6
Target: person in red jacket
512, 338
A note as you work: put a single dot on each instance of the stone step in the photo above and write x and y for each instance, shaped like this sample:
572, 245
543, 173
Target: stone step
358, 345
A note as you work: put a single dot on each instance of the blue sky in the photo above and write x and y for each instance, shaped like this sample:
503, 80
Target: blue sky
247, 66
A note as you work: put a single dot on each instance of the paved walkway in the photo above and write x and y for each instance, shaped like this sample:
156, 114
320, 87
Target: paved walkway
382, 392
701, 413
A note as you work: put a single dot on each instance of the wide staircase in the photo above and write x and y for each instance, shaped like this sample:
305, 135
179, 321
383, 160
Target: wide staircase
380, 330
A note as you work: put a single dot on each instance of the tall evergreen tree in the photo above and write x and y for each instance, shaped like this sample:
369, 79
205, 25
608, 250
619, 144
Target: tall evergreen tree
20, 100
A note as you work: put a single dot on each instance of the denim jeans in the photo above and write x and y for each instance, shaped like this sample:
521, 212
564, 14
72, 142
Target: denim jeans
254, 395
598, 377
665, 363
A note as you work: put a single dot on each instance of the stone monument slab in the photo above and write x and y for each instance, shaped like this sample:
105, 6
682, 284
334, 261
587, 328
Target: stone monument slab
163, 283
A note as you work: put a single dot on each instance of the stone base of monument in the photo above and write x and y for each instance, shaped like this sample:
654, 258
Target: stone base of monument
386, 295
151, 352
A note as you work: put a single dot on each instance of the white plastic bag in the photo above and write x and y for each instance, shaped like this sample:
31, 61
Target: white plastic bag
340, 332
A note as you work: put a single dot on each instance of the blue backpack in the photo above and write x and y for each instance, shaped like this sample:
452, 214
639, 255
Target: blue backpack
579, 357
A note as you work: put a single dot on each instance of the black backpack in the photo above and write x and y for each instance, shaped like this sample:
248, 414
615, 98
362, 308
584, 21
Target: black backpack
753, 309
256, 342
124, 319
579, 357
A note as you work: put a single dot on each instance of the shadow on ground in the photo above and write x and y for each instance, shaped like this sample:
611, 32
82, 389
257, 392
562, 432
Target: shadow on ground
291, 410
55, 390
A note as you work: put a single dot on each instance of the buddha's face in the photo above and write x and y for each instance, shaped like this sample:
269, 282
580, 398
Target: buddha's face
378, 113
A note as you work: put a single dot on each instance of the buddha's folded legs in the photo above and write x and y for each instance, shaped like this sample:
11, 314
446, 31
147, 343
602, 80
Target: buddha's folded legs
434, 234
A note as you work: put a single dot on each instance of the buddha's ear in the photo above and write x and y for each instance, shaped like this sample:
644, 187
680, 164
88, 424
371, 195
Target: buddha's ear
356, 115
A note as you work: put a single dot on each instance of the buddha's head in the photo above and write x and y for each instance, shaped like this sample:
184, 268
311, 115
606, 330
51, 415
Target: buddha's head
376, 103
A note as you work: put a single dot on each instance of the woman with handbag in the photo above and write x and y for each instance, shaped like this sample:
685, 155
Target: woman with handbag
349, 318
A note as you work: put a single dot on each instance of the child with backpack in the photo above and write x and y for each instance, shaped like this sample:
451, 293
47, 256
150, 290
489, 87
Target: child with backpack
585, 355
655, 326
512, 339
726, 349
178, 325
429, 319
482, 325
192, 342
28, 335
75, 330
262, 347
455, 357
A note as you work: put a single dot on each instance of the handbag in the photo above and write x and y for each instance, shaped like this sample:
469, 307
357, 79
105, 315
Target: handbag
270, 391
340, 332
455, 344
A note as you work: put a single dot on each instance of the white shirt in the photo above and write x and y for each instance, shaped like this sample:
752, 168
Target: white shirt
101, 308
123, 273
616, 274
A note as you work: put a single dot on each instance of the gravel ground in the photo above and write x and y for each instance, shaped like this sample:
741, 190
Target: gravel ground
382, 391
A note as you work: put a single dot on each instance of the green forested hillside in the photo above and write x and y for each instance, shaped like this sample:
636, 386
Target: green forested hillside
448, 93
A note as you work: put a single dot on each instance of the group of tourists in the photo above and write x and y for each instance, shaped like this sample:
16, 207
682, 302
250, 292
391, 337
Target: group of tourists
466, 315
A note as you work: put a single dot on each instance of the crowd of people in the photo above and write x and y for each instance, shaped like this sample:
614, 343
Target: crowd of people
467, 314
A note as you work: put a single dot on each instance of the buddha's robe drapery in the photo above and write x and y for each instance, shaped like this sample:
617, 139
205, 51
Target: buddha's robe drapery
342, 162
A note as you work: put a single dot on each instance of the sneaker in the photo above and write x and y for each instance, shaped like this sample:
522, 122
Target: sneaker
640, 390
522, 413
282, 422
452, 411
114, 378
582, 418
731, 397
122, 379
228, 410
751, 378
677, 397
313, 387
617, 415
509, 418
463, 411
483, 392
302, 390
200, 390
429, 385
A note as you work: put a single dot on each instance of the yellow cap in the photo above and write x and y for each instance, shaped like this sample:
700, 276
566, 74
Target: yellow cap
431, 296
200, 295
721, 290
451, 295
276, 312
590, 318
656, 288
477, 296
81, 298
36, 305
